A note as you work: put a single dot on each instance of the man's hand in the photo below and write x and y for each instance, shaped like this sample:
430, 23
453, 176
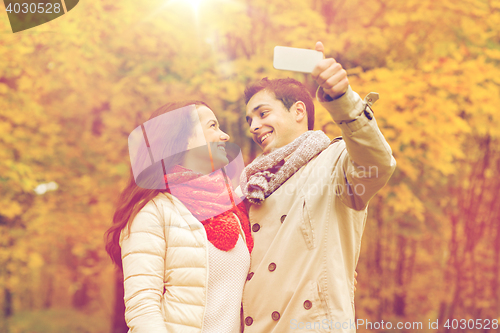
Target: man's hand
330, 75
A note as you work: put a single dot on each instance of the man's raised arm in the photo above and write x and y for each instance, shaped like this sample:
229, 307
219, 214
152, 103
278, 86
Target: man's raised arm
368, 163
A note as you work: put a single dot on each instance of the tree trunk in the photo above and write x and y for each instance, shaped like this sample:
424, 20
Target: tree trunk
378, 260
400, 296
47, 301
7, 304
80, 297
496, 283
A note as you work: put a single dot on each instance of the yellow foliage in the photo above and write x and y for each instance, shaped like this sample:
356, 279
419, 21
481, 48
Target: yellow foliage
73, 89
35, 261
406, 202
10, 208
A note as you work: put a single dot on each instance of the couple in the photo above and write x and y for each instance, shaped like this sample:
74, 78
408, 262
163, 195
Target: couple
185, 247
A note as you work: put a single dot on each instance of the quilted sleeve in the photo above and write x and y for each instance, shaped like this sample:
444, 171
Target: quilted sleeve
143, 259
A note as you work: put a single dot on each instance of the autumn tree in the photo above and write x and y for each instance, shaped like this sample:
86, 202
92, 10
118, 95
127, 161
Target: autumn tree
73, 89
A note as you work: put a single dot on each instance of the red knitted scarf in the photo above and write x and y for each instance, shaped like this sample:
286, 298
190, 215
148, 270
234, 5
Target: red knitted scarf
210, 199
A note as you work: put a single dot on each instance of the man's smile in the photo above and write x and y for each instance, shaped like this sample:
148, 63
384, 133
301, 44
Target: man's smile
264, 137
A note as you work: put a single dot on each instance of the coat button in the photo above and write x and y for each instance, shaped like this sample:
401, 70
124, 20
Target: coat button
249, 276
248, 321
275, 316
283, 218
307, 305
272, 267
256, 227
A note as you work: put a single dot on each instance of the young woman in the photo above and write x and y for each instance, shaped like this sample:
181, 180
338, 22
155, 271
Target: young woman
179, 234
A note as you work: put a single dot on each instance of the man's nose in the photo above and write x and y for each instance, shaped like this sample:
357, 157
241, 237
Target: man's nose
255, 126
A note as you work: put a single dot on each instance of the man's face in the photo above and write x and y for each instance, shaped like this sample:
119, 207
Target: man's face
271, 124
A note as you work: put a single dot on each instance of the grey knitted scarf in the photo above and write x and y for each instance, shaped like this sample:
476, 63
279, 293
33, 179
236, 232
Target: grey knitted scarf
268, 171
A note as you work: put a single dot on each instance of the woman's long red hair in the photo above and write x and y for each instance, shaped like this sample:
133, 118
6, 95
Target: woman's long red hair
133, 198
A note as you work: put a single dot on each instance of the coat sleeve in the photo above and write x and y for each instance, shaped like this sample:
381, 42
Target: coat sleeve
143, 259
367, 163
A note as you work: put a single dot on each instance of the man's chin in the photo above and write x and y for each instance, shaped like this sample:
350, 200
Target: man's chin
269, 147
268, 150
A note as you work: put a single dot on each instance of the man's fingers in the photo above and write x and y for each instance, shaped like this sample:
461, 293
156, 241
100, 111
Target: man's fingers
319, 47
332, 73
322, 66
331, 77
338, 89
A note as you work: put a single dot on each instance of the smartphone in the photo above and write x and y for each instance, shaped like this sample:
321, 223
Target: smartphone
294, 59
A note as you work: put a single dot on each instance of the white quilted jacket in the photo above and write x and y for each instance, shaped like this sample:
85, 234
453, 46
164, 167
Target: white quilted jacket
165, 268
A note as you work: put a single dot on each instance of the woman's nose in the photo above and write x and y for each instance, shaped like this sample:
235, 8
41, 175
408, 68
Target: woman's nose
224, 136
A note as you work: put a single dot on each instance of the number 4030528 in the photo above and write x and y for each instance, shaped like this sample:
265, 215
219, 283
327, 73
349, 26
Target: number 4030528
486, 324
33, 8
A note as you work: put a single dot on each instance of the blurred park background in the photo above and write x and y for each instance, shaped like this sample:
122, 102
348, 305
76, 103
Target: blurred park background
73, 89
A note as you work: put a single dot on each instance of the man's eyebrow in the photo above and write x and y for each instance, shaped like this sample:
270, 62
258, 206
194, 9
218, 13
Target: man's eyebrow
259, 106
255, 109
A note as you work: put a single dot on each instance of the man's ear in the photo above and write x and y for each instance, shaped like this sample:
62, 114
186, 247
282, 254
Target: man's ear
299, 108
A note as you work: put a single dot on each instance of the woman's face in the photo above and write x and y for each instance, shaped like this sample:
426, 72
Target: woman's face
211, 134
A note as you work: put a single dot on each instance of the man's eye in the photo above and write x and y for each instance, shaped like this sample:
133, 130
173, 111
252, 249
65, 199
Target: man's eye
263, 113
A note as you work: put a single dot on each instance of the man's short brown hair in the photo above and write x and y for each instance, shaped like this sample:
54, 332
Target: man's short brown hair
288, 91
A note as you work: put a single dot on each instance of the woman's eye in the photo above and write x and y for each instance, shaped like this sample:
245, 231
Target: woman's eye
263, 113
213, 125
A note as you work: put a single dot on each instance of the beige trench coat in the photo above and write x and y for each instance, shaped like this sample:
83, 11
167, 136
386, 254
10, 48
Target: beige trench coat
308, 233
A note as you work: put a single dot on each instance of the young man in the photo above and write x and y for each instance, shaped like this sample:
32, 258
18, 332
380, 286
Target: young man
309, 200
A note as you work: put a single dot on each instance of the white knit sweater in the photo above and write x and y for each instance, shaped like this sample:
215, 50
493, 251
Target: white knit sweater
226, 276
